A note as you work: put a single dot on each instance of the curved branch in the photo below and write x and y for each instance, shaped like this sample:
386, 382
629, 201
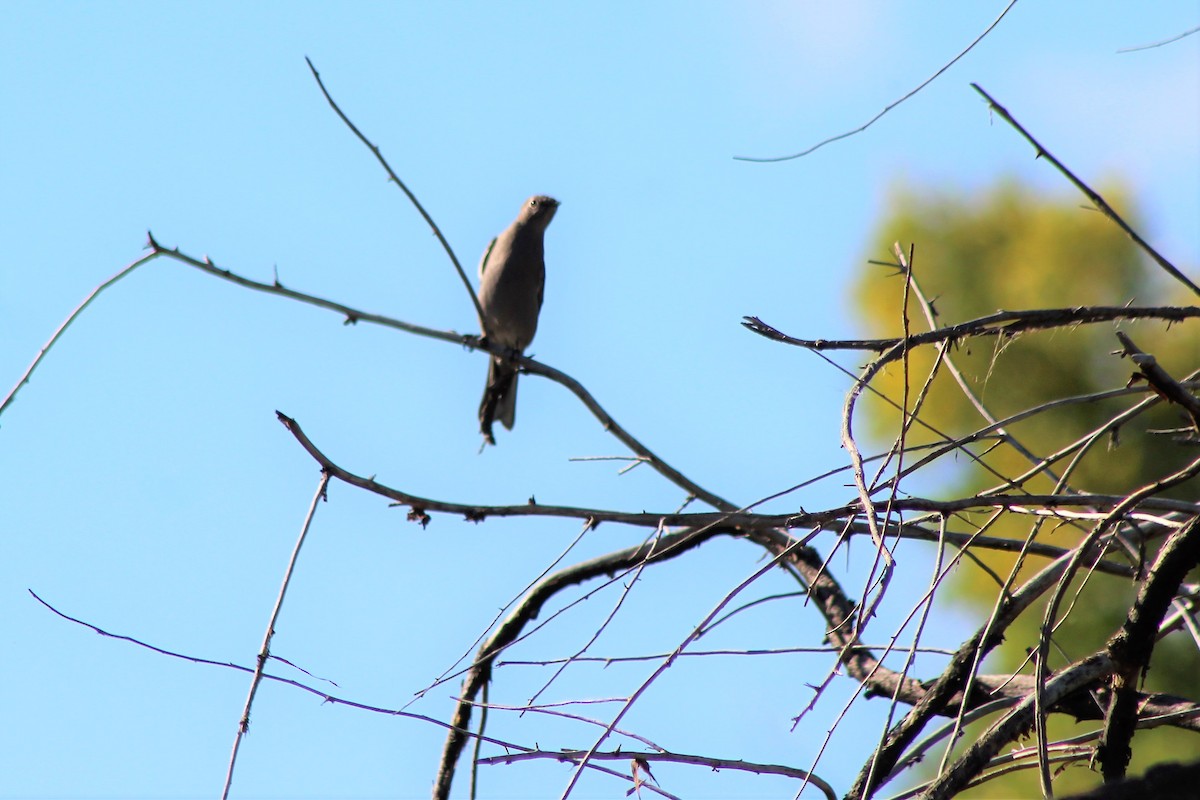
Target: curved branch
741, 520
891, 105
354, 315
477, 513
87, 301
411, 197
667, 547
324, 697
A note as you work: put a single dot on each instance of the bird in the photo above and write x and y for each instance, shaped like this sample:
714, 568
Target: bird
512, 278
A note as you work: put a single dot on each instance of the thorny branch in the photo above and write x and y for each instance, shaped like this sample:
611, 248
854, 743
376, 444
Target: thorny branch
741, 520
1131, 647
1002, 323
941, 697
527, 364
1099, 202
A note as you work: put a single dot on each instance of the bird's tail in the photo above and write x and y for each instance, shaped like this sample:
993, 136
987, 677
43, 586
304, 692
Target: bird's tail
499, 397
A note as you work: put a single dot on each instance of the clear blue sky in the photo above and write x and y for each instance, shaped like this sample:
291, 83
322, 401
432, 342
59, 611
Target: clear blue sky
147, 488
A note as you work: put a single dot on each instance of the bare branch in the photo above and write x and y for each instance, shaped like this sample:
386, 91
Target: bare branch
265, 652
74, 315
944, 694
323, 696
1131, 647
716, 764
353, 315
1098, 201
1167, 387
411, 197
1161, 42
668, 662
905, 264
740, 520
1078, 676
670, 546
1092, 540
892, 105
1002, 323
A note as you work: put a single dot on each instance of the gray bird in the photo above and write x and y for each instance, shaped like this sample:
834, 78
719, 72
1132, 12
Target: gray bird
512, 276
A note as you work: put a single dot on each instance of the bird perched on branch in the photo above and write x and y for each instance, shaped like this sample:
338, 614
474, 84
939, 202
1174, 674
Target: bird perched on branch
512, 275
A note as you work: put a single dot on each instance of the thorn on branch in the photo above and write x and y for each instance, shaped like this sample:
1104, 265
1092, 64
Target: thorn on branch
1158, 379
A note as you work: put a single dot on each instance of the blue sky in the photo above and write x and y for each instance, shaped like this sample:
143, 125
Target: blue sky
148, 489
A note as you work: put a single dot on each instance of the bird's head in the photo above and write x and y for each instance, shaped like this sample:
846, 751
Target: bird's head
539, 209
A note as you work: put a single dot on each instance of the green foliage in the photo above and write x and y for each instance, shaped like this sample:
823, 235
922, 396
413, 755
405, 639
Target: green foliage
1013, 249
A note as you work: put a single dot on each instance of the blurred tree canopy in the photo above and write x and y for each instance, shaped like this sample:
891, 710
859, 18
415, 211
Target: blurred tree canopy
1010, 248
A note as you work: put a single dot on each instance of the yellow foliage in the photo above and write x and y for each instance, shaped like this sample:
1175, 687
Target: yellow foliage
1015, 249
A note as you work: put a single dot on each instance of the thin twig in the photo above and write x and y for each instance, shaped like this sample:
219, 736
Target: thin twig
1089, 544
551, 710
667, 663
587, 526
352, 315
87, 301
770, 651
715, 764
597, 631
265, 652
1091, 194
955, 372
411, 197
510, 629
892, 105
321, 695
1161, 42
871, 779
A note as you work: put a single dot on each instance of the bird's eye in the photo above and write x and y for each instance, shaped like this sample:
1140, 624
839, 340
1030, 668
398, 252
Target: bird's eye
533, 203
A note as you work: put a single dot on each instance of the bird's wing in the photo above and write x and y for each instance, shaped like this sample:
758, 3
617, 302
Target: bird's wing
486, 253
